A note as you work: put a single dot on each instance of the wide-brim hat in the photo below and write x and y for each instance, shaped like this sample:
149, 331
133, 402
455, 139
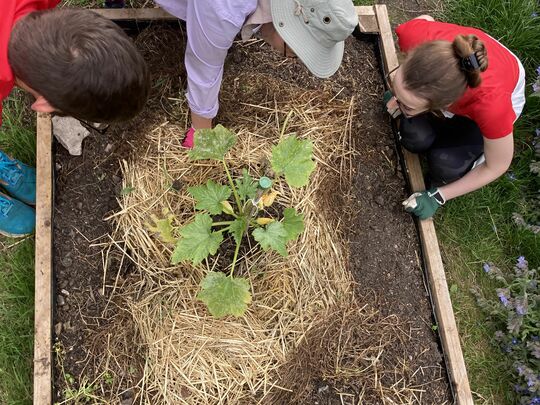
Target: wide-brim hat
315, 30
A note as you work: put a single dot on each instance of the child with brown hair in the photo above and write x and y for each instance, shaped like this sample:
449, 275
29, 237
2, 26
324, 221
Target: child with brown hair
476, 87
74, 62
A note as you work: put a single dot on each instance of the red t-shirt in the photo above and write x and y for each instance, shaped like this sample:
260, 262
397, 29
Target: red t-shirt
10, 12
490, 104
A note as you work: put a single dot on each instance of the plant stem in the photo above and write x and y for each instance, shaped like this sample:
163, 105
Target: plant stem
285, 124
222, 223
235, 258
236, 197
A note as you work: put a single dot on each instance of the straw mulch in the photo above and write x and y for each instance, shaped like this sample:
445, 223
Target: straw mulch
304, 324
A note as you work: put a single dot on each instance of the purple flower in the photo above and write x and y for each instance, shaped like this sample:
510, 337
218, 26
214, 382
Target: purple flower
535, 338
511, 176
487, 267
535, 401
522, 263
538, 68
531, 380
521, 305
502, 296
520, 369
515, 341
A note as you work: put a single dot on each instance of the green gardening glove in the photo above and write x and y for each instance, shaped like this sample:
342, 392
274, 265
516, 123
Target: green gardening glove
424, 204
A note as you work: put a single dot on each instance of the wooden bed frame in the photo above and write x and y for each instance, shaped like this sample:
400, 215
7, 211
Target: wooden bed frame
372, 20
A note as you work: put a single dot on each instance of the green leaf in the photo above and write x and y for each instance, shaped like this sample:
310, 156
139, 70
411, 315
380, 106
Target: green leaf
293, 158
274, 236
224, 295
198, 241
246, 187
293, 223
210, 196
127, 190
237, 228
212, 143
163, 226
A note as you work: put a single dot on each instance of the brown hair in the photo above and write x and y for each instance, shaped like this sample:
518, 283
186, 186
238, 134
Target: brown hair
439, 72
83, 64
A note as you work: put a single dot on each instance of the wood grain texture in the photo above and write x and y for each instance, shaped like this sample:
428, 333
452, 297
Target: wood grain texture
148, 14
438, 286
367, 20
43, 265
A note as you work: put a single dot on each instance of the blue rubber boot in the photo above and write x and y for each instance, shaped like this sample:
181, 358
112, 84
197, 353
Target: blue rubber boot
16, 218
18, 179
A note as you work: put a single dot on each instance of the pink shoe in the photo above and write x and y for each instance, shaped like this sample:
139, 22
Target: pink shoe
189, 138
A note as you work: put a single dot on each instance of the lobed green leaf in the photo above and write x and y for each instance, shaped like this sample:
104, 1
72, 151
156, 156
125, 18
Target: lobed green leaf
212, 143
197, 241
273, 236
293, 223
210, 196
224, 295
293, 158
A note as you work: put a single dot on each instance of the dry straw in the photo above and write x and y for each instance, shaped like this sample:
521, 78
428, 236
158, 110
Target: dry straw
193, 358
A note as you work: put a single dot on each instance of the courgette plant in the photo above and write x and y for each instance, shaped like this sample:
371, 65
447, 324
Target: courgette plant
242, 202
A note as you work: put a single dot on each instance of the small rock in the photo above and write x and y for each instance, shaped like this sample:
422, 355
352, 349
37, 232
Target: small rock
323, 389
60, 300
58, 329
67, 261
177, 184
58, 166
70, 133
109, 147
65, 292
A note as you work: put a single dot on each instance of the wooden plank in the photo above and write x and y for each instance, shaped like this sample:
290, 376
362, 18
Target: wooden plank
43, 270
434, 266
121, 14
367, 20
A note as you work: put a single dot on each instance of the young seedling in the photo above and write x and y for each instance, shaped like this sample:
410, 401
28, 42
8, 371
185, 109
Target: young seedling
242, 202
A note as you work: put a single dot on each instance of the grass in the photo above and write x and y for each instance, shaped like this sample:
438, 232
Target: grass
16, 323
17, 137
478, 227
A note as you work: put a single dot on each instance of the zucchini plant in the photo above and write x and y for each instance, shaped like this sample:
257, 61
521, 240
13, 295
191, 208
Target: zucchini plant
242, 202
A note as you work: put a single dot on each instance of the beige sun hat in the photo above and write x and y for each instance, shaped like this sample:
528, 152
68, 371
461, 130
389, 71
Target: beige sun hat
315, 30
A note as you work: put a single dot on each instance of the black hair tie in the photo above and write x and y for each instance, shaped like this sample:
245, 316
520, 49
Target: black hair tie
470, 63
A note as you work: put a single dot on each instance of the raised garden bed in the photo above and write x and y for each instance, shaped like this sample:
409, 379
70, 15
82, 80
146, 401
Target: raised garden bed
345, 318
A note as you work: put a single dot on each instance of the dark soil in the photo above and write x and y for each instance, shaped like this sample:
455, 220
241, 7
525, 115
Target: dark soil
383, 239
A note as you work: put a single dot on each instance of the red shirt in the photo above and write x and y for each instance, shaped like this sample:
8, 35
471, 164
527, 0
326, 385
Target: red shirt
490, 104
10, 12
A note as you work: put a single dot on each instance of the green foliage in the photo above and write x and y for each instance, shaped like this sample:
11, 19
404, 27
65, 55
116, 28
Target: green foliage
212, 143
237, 228
293, 223
197, 241
209, 197
273, 236
16, 323
292, 157
516, 315
227, 295
247, 188
224, 295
